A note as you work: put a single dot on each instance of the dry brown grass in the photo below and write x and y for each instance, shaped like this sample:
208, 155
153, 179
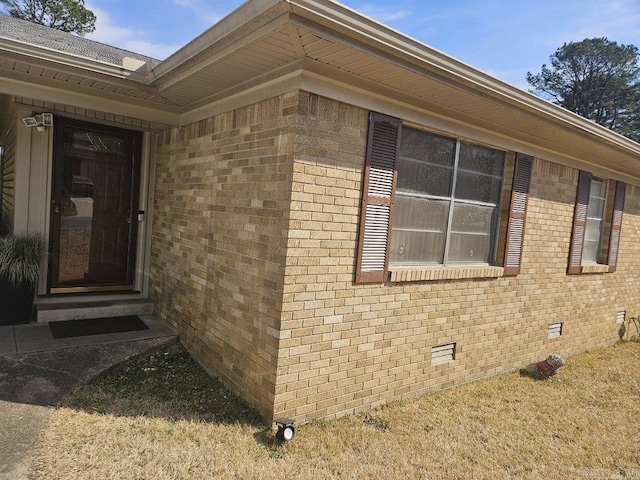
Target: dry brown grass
582, 424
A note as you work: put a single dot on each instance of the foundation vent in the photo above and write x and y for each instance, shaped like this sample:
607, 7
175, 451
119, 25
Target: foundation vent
620, 316
555, 330
443, 353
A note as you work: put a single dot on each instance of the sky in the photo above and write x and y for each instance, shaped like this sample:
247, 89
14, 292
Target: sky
504, 38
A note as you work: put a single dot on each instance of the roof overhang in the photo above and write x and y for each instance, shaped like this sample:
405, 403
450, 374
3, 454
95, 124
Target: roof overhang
267, 47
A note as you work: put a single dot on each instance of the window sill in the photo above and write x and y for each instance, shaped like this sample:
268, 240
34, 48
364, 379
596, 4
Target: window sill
422, 274
595, 268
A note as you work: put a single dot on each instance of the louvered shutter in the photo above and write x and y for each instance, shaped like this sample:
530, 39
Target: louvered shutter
377, 198
517, 214
616, 223
579, 223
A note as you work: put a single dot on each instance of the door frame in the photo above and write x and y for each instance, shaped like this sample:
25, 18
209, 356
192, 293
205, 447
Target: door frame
56, 186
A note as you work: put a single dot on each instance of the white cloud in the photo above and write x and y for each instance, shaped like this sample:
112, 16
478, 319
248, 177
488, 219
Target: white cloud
128, 39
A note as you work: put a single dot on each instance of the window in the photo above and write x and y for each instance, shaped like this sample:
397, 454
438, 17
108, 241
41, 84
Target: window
595, 221
596, 225
446, 201
430, 200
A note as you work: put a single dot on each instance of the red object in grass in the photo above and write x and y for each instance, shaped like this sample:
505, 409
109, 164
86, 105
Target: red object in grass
546, 369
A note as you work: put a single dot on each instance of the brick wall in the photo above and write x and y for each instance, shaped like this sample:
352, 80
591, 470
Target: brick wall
219, 240
349, 347
254, 244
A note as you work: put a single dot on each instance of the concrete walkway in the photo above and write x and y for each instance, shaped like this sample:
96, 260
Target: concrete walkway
38, 371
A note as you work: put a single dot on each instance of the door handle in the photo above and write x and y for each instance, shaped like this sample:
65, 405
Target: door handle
129, 220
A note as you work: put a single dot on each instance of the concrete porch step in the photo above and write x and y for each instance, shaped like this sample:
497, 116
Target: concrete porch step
52, 312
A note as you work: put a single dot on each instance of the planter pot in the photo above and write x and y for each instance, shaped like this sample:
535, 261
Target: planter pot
16, 303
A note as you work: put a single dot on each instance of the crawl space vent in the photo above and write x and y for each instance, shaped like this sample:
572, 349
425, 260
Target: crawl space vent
443, 353
555, 330
620, 316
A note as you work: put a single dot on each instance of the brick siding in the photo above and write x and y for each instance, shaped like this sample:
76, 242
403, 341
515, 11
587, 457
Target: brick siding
254, 245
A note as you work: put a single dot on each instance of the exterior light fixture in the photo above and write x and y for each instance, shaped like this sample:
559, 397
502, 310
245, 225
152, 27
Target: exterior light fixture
286, 430
30, 121
40, 121
47, 119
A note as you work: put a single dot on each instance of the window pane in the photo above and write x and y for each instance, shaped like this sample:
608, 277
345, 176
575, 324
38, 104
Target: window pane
415, 176
595, 221
596, 208
590, 251
96, 142
418, 233
480, 188
471, 230
426, 163
598, 188
594, 229
481, 159
479, 173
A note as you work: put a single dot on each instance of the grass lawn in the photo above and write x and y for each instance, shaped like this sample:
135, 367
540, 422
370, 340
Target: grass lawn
164, 418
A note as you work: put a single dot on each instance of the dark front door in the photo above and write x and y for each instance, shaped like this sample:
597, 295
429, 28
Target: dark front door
94, 207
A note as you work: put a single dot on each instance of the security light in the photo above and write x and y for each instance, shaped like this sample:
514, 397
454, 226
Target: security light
30, 121
40, 121
47, 119
286, 430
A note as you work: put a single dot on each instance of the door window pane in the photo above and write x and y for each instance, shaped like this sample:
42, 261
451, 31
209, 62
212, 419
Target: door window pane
96, 142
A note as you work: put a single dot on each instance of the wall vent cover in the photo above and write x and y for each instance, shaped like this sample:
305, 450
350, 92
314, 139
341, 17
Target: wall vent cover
443, 353
620, 316
555, 330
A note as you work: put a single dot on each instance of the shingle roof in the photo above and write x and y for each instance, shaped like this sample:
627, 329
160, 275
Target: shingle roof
34, 34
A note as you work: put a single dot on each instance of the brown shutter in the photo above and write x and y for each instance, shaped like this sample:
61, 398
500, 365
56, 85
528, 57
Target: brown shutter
579, 223
616, 223
517, 214
383, 145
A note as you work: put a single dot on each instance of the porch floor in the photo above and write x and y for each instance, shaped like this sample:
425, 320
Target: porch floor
37, 337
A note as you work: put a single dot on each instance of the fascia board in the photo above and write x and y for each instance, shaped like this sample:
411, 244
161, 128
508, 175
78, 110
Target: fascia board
84, 97
227, 31
181, 74
56, 57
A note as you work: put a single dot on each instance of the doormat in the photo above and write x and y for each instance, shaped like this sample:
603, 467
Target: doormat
96, 326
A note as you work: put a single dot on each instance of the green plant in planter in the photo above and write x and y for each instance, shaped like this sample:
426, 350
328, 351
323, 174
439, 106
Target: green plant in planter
20, 259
